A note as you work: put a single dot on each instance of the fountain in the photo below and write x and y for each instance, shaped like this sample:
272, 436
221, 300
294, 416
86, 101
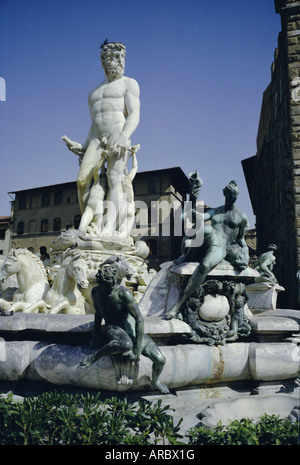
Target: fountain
205, 319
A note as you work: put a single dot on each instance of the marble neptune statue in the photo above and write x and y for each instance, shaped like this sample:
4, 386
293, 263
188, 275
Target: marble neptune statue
115, 113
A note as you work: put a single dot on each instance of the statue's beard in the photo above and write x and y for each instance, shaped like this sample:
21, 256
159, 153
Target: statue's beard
113, 69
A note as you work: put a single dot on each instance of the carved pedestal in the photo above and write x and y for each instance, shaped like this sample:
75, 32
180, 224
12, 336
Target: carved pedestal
263, 296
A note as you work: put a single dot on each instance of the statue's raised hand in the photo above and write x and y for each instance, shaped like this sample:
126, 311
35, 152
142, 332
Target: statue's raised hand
195, 183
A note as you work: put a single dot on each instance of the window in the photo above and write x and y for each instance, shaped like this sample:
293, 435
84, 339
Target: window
20, 228
44, 226
22, 203
46, 200
2, 234
153, 186
32, 227
56, 224
58, 198
33, 202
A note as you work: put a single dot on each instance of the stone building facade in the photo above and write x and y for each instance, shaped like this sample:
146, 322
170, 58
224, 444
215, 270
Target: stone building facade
4, 235
273, 174
40, 214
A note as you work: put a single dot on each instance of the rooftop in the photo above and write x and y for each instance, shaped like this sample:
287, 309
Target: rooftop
178, 176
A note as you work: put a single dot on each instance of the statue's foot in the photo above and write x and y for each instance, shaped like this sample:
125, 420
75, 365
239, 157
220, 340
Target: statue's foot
6, 312
230, 333
106, 233
161, 387
130, 354
87, 362
179, 260
171, 313
203, 332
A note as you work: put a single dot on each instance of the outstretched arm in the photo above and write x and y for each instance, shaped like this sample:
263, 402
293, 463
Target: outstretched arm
242, 231
131, 175
241, 239
98, 315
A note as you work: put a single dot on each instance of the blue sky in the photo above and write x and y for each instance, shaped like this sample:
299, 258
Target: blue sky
201, 66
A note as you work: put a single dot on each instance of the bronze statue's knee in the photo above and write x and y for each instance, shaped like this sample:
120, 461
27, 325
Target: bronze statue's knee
204, 269
161, 359
127, 345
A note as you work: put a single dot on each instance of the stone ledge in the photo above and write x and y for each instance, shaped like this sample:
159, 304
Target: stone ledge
273, 325
46, 322
282, 313
80, 325
44, 325
186, 365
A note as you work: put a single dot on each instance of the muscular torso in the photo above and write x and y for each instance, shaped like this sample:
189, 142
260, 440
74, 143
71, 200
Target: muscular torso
227, 224
107, 107
113, 307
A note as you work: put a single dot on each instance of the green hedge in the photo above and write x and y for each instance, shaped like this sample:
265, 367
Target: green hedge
270, 430
59, 418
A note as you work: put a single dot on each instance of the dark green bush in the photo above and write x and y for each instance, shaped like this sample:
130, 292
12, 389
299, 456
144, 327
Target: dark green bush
58, 418
270, 430
62, 419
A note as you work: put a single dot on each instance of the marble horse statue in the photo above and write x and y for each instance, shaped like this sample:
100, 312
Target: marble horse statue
31, 278
65, 296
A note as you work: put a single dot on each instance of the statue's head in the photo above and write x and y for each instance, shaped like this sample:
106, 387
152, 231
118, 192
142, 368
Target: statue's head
272, 247
231, 191
112, 56
213, 287
107, 275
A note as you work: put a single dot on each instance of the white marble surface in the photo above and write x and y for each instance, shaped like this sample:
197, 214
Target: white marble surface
186, 365
115, 114
263, 295
252, 407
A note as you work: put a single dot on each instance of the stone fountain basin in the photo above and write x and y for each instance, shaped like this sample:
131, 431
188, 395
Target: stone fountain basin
252, 407
48, 347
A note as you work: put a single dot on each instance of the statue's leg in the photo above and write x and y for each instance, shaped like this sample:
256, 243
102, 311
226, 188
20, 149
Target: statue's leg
6, 312
86, 219
98, 213
20, 307
114, 203
62, 305
5, 305
152, 351
232, 333
116, 341
212, 258
193, 284
85, 177
39, 306
116, 198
